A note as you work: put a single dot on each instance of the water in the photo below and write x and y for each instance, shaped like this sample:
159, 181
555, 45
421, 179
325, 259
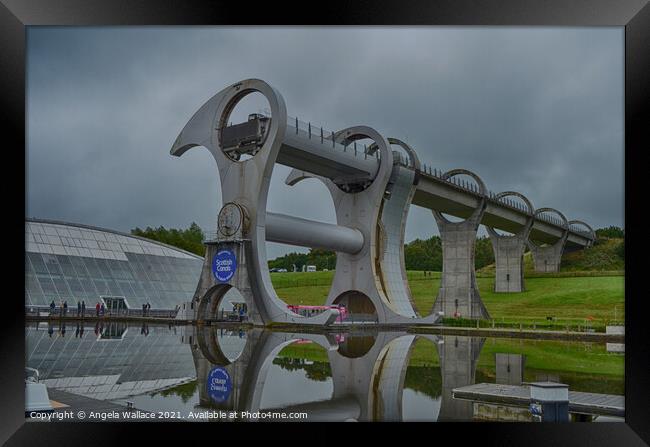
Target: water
211, 373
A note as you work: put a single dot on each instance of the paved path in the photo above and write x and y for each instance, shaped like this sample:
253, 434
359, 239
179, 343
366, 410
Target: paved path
579, 402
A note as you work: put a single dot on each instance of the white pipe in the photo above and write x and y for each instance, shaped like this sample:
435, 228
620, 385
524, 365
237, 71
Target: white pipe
310, 233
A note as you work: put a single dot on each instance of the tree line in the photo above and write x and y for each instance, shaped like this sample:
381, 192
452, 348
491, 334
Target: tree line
419, 254
190, 239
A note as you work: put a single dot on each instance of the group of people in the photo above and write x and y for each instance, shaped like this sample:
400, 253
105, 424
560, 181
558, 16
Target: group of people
100, 308
63, 306
81, 308
79, 333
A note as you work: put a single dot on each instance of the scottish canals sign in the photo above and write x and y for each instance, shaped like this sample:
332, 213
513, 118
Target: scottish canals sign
224, 265
219, 384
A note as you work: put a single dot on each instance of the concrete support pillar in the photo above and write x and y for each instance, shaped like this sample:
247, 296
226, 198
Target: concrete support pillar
547, 259
458, 294
458, 358
509, 252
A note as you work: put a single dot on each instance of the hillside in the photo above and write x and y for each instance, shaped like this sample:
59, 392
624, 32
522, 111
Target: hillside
607, 255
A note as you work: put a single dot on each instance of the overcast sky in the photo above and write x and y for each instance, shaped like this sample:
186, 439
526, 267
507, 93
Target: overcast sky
537, 110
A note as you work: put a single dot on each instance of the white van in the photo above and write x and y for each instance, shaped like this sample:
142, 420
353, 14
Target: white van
311, 268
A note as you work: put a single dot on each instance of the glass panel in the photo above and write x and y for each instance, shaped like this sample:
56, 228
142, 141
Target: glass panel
104, 269
46, 284
92, 268
61, 287
101, 286
79, 266
37, 263
88, 287
126, 288
32, 285
75, 286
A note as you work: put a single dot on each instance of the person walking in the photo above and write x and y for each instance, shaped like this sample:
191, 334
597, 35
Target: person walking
52, 307
97, 308
78, 308
144, 309
61, 308
103, 308
65, 308
83, 308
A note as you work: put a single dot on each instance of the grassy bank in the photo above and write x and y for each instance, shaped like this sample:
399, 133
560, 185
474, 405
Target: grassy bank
569, 300
541, 355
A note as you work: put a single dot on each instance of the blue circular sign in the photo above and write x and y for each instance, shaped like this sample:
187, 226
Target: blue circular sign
219, 384
224, 265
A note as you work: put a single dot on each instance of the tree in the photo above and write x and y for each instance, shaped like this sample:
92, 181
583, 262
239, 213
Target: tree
483, 253
322, 259
190, 239
610, 232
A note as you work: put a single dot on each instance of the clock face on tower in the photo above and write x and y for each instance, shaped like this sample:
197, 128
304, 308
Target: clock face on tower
230, 219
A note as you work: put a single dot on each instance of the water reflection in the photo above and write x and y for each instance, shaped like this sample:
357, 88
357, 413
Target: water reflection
367, 372
363, 376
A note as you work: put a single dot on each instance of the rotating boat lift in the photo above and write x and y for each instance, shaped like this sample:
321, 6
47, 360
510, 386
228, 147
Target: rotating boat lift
372, 191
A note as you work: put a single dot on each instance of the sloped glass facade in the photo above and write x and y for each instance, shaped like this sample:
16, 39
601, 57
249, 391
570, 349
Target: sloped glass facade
73, 263
108, 361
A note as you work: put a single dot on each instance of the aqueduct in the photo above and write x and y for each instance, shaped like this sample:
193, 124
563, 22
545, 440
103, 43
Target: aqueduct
372, 187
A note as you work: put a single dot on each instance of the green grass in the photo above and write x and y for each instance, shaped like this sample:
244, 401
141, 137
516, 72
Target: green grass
569, 299
541, 355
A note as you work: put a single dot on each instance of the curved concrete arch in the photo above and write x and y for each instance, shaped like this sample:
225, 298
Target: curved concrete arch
246, 183
377, 269
387, 386
509, 250
584, 224
478, 212
362, 345
210, 348
363, 210
559, 213
266, 352
538, 211
394, 214
376, 379
548, 259
458, 294
412, 155
529, 205
208, 303
529, 224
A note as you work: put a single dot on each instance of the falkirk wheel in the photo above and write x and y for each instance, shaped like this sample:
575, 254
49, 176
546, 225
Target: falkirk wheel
371, 202
371, 187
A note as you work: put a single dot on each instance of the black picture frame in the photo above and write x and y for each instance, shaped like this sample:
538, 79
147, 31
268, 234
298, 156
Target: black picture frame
634, 15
